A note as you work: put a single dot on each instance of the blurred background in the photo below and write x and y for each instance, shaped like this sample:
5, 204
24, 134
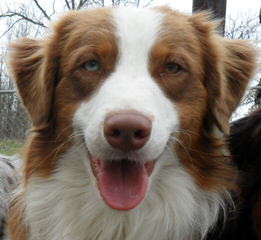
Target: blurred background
31, 18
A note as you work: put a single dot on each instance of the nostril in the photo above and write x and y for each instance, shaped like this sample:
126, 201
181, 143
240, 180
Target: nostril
115, 133
140, 134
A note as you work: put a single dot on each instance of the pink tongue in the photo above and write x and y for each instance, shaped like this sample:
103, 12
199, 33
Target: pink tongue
123, 184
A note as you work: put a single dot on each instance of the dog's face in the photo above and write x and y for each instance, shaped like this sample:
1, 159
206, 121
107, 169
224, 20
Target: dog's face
139, 90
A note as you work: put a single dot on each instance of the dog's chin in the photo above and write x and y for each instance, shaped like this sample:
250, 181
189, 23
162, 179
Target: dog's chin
123, 183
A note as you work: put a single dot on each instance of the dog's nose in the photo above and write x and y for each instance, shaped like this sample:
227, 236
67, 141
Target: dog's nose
127, 130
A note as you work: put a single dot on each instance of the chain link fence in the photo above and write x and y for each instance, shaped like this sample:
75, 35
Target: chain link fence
14, 122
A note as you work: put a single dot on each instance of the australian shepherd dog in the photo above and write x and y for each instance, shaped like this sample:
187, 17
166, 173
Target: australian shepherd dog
129, 109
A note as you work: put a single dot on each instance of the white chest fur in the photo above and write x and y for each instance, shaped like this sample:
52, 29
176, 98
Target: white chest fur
67, 205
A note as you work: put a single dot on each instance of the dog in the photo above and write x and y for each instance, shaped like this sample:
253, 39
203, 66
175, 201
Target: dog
8, 181
245, 145
130, 109
243, 222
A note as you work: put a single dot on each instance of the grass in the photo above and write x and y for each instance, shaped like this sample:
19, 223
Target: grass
10, 146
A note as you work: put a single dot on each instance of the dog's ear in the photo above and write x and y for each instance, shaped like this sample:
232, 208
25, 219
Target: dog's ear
34, 67
239, 65
229, 66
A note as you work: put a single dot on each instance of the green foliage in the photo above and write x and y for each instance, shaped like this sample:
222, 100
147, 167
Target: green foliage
10, 146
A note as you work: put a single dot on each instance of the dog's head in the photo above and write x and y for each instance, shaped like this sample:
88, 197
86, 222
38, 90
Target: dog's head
138, 90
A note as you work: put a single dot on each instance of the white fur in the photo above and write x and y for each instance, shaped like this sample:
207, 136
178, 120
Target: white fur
67, 205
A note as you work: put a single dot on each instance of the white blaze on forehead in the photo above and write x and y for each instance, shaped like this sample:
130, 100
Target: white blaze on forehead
137, 31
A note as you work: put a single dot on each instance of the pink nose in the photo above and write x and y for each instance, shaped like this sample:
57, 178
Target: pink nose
127, 130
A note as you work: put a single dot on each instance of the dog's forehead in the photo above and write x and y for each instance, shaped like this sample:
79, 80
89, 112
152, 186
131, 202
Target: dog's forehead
125, 27
137, 31
137, 24
146, 21
152, 24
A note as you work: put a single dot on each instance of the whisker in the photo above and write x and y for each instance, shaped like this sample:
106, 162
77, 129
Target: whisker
74, 135
175, 139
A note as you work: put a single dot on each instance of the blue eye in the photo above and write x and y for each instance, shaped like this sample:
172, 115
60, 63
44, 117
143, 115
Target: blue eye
173, 67
92, 65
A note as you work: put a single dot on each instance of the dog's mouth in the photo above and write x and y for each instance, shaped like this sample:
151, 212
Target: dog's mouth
123, 184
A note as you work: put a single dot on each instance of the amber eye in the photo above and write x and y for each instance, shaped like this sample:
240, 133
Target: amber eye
92, 65
173, 67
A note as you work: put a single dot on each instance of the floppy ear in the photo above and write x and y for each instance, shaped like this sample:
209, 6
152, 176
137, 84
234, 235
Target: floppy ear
229, 66
238, 65
33, 67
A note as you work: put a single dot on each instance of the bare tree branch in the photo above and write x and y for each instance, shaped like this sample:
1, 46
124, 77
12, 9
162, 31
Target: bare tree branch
67, 4
148, 3
82, 3
13, 14
73, 4
41, 9
10, 27
53, 8
247, 27
97, 3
